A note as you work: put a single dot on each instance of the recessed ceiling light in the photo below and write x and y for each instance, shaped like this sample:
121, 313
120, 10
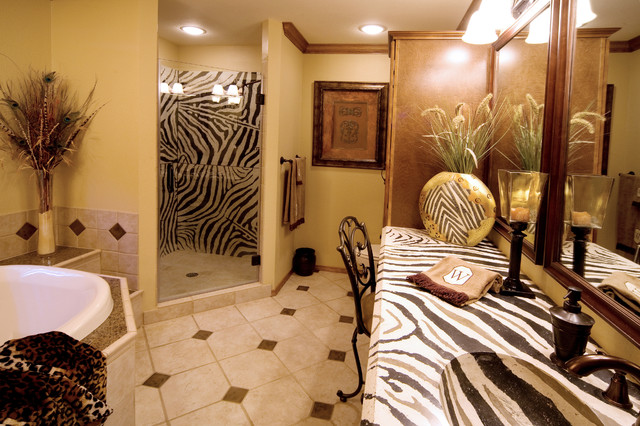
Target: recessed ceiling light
191, 30
372, 29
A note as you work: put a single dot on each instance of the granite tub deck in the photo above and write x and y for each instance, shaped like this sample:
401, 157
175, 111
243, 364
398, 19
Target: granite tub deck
115, 337
416, 336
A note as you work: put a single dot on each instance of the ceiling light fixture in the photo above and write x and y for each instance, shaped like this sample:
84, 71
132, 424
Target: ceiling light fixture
372, 29
478, 32
585, 13
191, 30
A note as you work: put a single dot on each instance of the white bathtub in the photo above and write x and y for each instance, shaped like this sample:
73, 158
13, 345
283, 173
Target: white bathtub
37, 299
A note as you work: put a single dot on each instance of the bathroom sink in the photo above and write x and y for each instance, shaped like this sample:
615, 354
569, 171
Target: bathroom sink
492, 389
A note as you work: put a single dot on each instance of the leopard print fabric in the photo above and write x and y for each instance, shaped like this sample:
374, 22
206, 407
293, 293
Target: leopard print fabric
52, 379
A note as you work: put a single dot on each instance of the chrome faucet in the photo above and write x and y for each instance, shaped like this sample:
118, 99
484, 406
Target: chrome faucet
617, 393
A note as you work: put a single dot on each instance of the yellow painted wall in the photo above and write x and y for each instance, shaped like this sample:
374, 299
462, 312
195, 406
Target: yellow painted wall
116, 166
332, 192
624, 149
290, 132
25, 42
607, 337
167, 50
236, 58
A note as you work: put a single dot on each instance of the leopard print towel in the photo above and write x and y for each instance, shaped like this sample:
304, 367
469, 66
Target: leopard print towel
51, 378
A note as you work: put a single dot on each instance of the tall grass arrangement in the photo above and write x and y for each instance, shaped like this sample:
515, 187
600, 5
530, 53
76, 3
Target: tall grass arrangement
460, 141
526, 128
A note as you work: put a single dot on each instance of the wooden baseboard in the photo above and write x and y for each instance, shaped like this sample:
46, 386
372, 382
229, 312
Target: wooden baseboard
281, 283
341, 270
317, 268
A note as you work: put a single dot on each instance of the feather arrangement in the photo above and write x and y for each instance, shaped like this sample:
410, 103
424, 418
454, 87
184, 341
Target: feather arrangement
40, 121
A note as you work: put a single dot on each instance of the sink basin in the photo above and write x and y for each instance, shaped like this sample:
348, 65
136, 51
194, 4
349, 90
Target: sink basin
492, 389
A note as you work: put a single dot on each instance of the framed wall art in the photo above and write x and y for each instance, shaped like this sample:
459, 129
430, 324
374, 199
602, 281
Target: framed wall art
350, 124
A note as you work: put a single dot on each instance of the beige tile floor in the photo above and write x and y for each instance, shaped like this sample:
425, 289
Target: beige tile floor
212, 272
273, 361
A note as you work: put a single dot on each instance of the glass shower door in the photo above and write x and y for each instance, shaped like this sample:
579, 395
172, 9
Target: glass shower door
209, 183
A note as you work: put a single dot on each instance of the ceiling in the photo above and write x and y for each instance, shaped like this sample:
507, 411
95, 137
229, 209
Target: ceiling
238, 22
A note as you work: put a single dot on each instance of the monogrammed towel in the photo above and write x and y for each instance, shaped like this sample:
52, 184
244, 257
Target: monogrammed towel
623, 288
457, 281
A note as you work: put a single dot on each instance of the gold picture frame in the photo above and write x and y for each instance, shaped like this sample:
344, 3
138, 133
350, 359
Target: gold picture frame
350, 124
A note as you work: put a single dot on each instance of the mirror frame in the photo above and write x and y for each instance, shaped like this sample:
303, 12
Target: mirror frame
534, 251
561, 50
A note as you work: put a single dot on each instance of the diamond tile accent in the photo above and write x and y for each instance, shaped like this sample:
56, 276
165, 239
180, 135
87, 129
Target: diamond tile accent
302, 288
191, 274
337, 355
346, 319
156, 380
235, 394
26, 231
202, 334
287, 311
117, 231
267, 345
77, 227
321, 410
350, 294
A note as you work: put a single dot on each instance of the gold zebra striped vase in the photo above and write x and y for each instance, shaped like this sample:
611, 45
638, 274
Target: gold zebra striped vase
457, 208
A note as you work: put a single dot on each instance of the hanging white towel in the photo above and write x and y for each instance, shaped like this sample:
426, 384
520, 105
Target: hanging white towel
293, 209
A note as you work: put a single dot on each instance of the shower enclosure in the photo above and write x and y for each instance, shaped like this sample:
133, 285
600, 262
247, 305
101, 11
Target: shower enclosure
209, 187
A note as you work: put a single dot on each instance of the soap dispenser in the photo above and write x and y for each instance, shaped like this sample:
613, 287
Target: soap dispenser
571, 328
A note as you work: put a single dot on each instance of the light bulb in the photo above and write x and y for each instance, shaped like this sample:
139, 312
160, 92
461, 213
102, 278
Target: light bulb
217, 90
232, 90
177, 88
539, 28
479, 31
215, 98
584, 13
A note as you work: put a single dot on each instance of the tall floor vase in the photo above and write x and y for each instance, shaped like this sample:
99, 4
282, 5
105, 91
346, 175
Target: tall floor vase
46, 228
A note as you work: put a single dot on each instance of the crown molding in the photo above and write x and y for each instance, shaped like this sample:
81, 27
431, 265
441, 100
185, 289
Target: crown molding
625, 46
298, 40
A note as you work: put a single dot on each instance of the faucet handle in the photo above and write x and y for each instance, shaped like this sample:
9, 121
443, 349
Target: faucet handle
618, 391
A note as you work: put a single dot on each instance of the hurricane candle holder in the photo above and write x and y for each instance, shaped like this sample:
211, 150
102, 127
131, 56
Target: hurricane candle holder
586, 199
520, 196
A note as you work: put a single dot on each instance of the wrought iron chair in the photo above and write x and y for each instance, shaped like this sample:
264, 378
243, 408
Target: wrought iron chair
354, 240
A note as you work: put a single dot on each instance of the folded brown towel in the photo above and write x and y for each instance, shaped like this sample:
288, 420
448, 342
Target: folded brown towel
623, 288
294, 183
457, 281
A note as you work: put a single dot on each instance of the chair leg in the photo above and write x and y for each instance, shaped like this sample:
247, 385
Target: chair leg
341, 394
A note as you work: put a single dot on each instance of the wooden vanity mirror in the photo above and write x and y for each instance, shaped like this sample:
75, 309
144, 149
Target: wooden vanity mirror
589, 60
519, 80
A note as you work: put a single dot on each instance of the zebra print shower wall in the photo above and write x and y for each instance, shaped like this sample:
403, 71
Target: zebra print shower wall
209, 164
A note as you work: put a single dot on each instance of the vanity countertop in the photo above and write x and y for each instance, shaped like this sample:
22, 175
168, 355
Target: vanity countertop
416, 335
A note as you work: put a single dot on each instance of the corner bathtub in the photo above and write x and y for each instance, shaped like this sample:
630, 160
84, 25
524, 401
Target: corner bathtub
37, 299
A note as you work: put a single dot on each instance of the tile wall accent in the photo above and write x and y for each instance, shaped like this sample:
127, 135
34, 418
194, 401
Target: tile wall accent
115, 233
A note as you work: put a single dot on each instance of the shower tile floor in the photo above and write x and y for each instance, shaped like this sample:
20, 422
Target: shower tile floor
273, 361
176, 277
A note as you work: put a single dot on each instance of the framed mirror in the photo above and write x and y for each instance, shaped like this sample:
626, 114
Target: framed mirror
596, 137
519, 79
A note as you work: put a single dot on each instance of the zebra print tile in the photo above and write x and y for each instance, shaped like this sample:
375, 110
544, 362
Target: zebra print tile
209, 165
416, 335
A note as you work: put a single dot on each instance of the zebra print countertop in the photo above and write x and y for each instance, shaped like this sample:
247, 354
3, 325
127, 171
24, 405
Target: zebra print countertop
599, 262
416, 335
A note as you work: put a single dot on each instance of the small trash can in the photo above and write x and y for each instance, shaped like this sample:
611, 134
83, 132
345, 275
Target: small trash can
304, 261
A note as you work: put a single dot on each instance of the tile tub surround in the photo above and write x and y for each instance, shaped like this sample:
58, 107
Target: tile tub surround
115, 233
271, 361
